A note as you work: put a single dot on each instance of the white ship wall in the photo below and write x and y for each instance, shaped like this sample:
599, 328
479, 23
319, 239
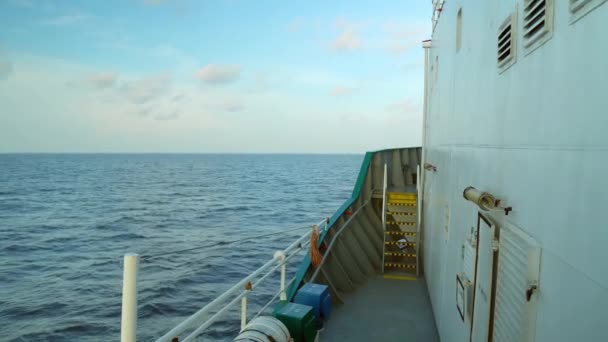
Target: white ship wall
535, 136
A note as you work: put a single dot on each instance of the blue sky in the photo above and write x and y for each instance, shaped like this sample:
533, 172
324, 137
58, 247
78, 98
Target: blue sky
211, 76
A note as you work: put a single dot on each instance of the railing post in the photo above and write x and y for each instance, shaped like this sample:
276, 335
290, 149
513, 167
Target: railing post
280, 257
243, 312
384, 186
248, 288
128, 323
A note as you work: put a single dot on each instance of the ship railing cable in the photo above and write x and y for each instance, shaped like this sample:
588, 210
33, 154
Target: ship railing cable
148, 257
197, 323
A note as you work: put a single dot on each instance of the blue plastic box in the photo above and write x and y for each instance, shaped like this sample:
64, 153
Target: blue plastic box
317, 296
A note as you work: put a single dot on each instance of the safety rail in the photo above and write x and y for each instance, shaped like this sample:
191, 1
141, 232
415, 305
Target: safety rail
330, 246
238, 292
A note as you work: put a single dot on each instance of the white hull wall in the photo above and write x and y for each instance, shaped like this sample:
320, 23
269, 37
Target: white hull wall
535, 136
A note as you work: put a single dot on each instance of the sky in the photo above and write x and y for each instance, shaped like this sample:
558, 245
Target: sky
204, 76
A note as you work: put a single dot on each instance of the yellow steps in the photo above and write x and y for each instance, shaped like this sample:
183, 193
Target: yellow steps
401, 213
399, 265
388, 232
394, 243
402, 204
403, 255
401, 223
401, 196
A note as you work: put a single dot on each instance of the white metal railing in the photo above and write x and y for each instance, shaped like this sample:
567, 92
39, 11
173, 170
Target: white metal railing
238, 292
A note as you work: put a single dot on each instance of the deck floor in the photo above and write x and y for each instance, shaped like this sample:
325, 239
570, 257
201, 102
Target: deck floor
384, 310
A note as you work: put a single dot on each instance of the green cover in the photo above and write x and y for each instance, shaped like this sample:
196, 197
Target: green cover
299, 319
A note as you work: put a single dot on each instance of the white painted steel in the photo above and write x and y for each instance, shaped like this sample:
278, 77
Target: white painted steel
384, 185
244, 311
535, 136
128, 323
280, 257
483, 283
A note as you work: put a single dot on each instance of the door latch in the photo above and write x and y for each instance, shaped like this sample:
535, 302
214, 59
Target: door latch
530, 292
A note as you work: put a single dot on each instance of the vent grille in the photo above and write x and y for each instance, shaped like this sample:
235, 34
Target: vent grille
506, 43
538, 20
518, 268
578, 8
576, 5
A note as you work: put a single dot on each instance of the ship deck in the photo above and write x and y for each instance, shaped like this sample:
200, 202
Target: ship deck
384, 310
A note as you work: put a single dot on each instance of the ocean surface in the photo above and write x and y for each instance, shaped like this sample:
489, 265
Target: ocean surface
67, 220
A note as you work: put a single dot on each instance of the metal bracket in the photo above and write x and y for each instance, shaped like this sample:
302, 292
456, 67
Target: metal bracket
530, 291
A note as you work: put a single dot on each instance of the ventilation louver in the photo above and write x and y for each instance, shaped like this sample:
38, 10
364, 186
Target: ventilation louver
506, 43
538, 22
578, 8
518, 269
576, 5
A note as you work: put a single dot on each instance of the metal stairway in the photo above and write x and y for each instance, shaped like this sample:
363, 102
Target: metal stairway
401, 234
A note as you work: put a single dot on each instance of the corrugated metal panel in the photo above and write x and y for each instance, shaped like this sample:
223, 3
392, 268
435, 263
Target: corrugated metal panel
518, 266
469, 260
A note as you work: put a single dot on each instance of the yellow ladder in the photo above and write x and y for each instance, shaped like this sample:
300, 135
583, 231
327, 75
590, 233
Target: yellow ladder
401, 233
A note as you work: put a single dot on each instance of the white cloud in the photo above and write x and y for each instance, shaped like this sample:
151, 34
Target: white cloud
233, 106
158, 113
218, 74
147, 89
173, 115
6, 69
296, 24
406, 106
400, 38
341, 91
348, 38
103, 80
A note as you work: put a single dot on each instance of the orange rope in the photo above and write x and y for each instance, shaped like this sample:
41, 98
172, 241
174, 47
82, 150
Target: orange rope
315, 254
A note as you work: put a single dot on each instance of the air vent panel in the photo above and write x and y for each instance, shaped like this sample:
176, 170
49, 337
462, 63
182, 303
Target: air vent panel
579, 8
538, 22
506, 52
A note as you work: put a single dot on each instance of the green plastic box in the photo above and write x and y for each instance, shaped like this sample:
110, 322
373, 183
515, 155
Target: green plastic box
299, 319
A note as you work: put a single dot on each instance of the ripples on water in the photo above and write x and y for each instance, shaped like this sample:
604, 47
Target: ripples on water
66, 221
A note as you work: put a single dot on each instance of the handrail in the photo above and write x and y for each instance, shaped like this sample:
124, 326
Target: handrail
189, 322
243, 294
239, 290
333, 241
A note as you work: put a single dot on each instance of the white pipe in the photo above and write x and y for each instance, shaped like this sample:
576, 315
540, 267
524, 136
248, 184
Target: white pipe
280, 257
237, 287
128, 323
